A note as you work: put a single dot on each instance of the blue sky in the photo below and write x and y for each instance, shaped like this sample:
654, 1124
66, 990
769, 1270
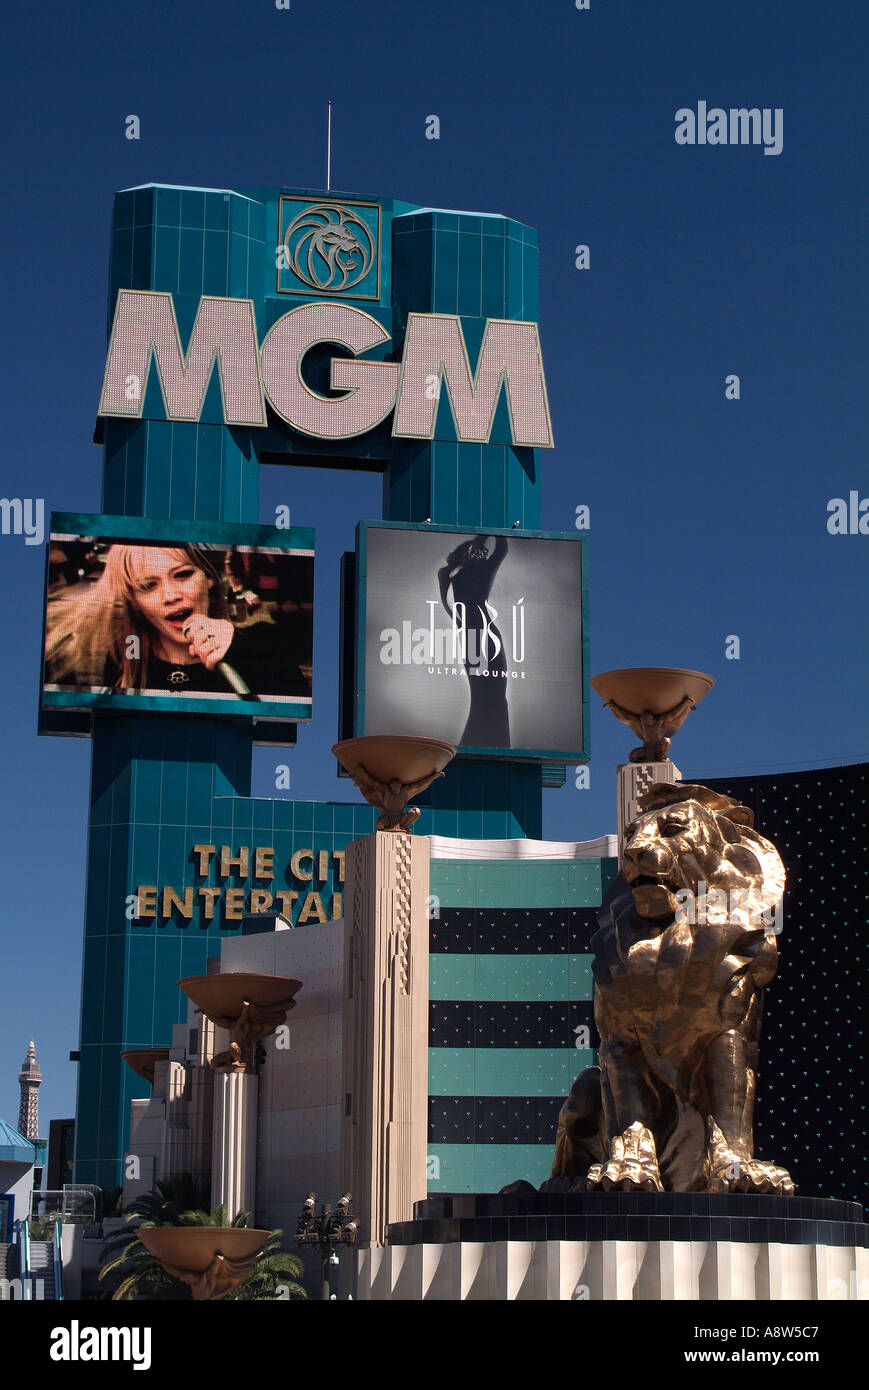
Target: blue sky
708, 516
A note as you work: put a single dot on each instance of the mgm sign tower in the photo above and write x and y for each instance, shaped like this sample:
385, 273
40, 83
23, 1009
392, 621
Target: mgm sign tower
287, 326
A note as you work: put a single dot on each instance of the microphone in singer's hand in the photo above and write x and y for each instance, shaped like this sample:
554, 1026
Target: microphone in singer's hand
229, 673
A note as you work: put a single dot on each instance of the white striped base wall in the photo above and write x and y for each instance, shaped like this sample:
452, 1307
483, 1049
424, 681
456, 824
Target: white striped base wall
565, 1270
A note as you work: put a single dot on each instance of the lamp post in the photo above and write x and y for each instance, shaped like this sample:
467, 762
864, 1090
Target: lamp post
384, 1127
654, 701
250, 1007
326, 1233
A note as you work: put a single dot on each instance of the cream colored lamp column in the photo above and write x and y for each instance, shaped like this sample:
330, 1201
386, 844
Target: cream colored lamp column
384, 1135
654, 701
250, 1008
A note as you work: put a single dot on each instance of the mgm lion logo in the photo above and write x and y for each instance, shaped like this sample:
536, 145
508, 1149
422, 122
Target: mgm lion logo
329, 248
678, 998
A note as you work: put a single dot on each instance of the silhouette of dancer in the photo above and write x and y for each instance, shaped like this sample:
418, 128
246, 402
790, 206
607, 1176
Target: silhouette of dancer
470, 571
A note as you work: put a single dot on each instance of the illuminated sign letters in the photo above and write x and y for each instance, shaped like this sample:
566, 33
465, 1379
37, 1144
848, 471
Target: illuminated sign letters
370, 386
146, 329
224, 336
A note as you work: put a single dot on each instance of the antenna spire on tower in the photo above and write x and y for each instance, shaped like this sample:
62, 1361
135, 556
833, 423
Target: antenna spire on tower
329, 148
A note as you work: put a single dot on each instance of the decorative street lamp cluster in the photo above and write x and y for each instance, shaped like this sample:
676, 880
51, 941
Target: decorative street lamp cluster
326, 1232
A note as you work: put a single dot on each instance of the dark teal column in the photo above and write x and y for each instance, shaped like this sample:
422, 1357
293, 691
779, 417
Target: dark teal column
479, 268
158, 784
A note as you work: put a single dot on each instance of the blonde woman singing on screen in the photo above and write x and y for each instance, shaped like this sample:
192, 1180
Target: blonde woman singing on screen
156, 620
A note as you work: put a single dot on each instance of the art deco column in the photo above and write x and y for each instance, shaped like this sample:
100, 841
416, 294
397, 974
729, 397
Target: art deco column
233, 1145
385, 1131
250, 1008
176, 1133
632, 780
202, 1088
201, 1121
384, 1136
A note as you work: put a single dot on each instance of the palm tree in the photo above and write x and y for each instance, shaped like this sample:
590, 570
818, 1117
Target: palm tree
172, 1197
137, 1274
275, 1274
111, 1200
141, 1276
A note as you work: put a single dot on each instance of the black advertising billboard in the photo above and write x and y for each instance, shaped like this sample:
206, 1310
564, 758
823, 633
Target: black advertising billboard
195, 617
478, 639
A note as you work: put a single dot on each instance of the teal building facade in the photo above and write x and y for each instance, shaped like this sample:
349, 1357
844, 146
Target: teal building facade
511, 1014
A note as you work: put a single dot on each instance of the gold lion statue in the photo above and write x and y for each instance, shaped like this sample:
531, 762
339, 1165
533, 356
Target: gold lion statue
686, 944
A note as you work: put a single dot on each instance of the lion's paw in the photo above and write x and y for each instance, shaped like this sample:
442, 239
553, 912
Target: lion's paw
729, 1173
632, 1165
726, 1171
619, 1176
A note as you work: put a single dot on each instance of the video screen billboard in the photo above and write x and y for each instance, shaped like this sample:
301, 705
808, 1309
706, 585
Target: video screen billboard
477, 639
196, 617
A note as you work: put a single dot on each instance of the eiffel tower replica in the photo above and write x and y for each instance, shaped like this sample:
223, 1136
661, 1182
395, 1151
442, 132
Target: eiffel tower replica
30, 1080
